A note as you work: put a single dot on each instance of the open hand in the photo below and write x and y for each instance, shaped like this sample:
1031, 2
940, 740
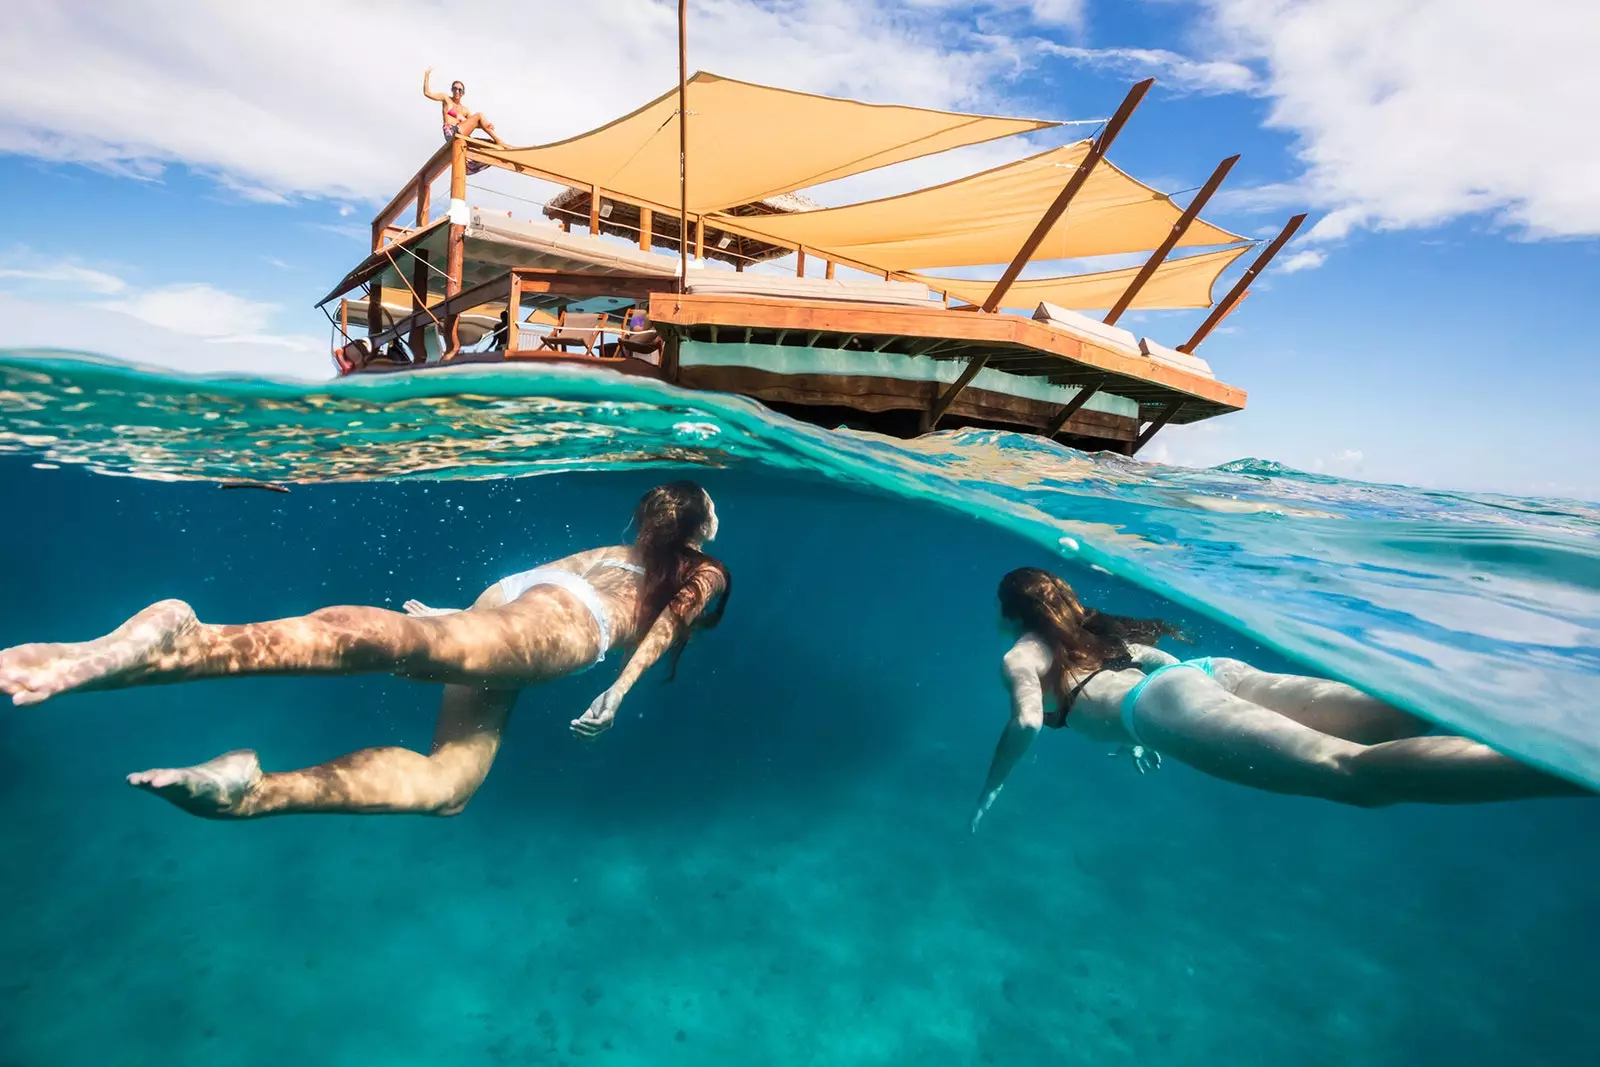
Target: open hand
418, 609
1144, 759
598, 719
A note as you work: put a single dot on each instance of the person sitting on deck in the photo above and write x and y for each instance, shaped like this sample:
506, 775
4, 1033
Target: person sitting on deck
537, 626
1281, 733
457, 120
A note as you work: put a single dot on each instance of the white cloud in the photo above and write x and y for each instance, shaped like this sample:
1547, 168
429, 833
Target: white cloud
197, 310
1306, 259
94, 281
1411, 114
1175, 72
246, 93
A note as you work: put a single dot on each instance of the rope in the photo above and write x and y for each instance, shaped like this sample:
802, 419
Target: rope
414, 295
424, 262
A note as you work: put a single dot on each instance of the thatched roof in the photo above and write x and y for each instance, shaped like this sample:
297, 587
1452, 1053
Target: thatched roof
622, 220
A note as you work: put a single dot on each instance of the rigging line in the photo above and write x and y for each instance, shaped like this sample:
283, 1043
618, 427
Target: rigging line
424, 262
414, 295
335, 324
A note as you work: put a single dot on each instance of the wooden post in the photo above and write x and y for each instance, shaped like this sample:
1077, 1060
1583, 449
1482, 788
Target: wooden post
1072, 407
800, 262
419, 303
647, 221
683, 162
424, 199
594, 210
455, 249
1179, 228
930, 421
669, 357
1236, 294
1057, 208
828, 269
1155, 426
514, 314
374, 308
700, 238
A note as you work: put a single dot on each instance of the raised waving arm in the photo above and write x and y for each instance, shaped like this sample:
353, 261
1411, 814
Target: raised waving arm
1025, 667
427, 91
702, 589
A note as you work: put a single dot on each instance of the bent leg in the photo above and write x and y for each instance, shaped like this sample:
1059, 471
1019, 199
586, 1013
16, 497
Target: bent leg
1451, 770
373, 781
1326, 706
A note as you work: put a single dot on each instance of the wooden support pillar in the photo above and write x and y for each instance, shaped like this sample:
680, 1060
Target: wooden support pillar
800, 262
1072, 407
419, 292
594, 209
514, 314
828, 269
455, 242
1058, 207
424, 199
1170, 242
374, 308
669, 356
1236, 294
647, 221
700, 238
1155, 426
930, 420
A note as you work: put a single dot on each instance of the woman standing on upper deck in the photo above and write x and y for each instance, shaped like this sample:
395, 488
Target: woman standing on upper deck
533, 627
1281, 733
457, 120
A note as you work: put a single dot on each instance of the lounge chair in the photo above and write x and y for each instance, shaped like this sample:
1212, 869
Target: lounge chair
583, 330
1113, 337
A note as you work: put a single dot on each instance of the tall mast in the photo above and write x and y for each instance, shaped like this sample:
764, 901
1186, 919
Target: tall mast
683, 145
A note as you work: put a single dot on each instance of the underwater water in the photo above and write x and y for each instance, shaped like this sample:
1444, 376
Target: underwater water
768, 860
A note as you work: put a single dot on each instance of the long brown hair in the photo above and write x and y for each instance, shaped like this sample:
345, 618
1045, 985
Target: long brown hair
678, 578
1081, 638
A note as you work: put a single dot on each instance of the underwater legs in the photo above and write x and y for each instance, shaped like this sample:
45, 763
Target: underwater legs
165, 643
373, 781
1447, 770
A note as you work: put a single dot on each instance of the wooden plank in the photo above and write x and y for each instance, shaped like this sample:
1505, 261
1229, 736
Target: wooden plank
941, 405
1096, 152
1072, 408
1236, 294
1166, 416
1170, 242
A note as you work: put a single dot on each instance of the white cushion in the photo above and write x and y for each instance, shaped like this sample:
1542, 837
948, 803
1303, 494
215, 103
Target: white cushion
1113, 337
1173, 358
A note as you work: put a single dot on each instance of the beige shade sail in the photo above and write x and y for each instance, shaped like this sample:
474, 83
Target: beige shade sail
747, 142
986, 218
1177, 283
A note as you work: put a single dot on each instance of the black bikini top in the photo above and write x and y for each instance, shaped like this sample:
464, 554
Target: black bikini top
1058, 718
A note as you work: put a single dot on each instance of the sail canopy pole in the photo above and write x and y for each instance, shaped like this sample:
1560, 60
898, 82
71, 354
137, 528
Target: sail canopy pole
683, 145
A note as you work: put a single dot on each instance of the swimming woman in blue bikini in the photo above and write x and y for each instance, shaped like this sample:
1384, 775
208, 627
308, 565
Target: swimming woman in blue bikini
1282, 733
552, 621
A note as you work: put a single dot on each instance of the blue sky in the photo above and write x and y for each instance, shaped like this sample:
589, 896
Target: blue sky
182, 190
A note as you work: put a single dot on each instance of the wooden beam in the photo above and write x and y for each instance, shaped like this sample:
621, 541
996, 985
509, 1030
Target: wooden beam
1236, 294
577, 286
419, 291
700, 238
594, 210
455, 250
424, 199
647, 221
374, 311
435, 166
800, 262
492, 291
828, 271
683, 168
1155, 426
942, 405
1179, 228
514, 314
1073, 406
1059, 206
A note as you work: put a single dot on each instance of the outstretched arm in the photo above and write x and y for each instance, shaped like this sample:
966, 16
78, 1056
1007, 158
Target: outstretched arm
428, 92
1025, 666
704, 588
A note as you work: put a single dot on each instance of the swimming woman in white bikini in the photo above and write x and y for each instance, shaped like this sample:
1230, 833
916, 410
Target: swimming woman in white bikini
1282, 733
555, 620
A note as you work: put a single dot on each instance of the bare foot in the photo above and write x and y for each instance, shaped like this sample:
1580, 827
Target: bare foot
30, 674
212, 790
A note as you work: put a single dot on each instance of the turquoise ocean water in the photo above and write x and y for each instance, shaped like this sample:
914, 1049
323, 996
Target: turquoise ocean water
767, 861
